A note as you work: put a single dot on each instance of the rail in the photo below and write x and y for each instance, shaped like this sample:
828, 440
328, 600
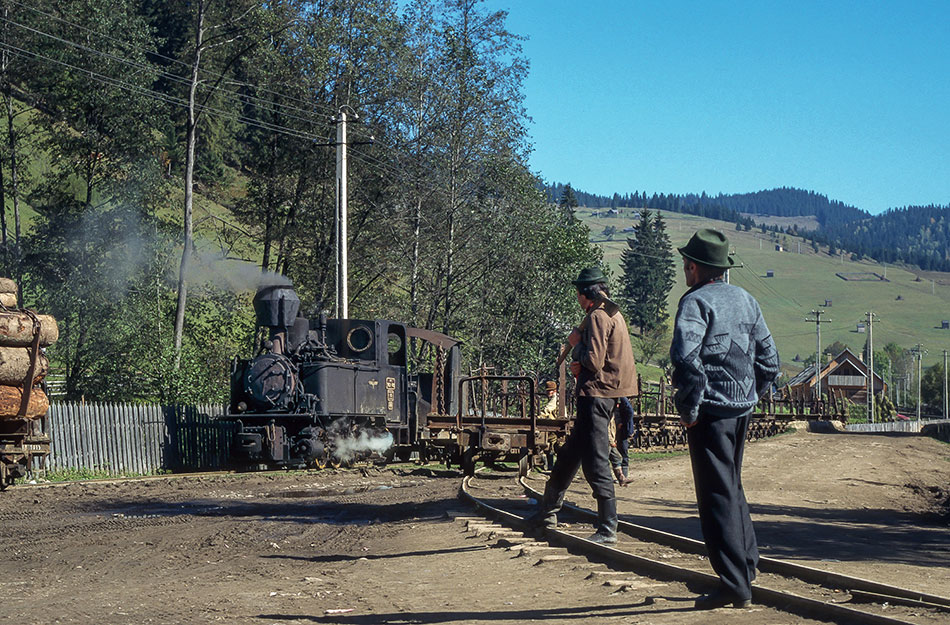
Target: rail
799, 595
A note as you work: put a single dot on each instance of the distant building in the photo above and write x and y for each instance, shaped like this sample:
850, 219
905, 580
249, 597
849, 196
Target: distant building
827, 303
945, 324
769, 274
779, 248
844, 377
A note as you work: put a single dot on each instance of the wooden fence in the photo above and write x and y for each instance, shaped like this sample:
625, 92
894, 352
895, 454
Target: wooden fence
123, 439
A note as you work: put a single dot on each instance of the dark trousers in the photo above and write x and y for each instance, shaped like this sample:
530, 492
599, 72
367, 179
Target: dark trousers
623, 446
715, 451
587, 445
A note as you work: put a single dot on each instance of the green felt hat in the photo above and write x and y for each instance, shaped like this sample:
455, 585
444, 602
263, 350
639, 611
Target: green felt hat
591, 275
708, 247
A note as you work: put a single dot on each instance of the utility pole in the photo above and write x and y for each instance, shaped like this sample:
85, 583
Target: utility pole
870, 392
342, 297
818, 321
918, 352
946, 415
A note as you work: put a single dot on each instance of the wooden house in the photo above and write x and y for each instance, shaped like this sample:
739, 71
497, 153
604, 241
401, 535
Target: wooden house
845, 377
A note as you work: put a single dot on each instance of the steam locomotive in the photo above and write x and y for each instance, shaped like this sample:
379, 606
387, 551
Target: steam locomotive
333, 391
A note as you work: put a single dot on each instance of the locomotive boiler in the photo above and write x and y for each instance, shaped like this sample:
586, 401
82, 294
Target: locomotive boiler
333, 391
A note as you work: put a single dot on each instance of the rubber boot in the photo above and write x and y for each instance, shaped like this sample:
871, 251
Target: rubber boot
545, 517
606, 533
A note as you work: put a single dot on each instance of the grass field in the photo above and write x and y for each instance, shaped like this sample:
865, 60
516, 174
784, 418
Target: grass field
803, 281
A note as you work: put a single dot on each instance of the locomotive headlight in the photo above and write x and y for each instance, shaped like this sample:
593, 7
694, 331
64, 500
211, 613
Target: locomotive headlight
241, 407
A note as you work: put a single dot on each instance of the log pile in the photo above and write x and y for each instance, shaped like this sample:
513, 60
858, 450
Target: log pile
23, 366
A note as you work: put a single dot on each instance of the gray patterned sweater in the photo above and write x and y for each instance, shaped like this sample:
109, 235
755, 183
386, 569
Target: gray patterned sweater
723, 355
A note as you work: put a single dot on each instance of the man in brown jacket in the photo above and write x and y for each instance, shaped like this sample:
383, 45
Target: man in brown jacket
602, 362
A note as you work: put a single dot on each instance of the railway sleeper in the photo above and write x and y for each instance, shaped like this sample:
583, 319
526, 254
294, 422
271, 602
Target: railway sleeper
659, 572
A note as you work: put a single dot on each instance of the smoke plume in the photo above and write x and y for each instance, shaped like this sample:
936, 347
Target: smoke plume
232, 274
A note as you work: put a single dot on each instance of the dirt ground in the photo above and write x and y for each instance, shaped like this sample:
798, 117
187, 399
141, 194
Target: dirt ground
379, 545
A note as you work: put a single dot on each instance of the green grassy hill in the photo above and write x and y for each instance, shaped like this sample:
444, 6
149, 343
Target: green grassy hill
803, 281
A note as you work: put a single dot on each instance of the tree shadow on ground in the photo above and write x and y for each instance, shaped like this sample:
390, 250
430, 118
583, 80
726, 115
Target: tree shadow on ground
536, 614
813, 533
342, 557
297, 511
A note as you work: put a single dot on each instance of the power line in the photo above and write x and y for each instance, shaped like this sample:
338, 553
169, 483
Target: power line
155, 54
768, 287
271, 106
155, 95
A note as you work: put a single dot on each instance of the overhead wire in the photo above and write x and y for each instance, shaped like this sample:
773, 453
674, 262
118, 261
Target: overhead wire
367, 159
156, 95
158, 55
767, 287
242, 98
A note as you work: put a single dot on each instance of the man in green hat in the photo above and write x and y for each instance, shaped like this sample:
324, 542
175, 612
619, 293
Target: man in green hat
603, 365
723, 359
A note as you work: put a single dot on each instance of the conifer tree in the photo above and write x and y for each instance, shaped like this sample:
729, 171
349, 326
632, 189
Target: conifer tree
647, 265
568, 203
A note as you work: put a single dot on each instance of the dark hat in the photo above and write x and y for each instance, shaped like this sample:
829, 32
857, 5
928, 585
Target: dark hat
591, 275
708, 247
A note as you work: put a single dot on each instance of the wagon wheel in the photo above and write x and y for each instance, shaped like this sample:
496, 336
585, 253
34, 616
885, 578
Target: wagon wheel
524, 465
468, 461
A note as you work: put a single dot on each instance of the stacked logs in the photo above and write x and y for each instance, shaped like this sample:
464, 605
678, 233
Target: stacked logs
23, 366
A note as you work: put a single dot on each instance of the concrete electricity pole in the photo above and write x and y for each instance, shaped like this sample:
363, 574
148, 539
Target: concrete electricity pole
946, 415
818, 321
870, 387
342, 261
918, 352
342, 297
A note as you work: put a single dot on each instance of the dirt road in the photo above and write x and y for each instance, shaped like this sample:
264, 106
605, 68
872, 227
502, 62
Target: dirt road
376, 546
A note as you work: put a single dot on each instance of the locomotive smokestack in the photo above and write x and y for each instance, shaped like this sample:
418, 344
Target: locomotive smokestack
276, 306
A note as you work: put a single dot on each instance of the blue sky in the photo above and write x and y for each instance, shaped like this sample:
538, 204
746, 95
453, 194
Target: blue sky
848, 99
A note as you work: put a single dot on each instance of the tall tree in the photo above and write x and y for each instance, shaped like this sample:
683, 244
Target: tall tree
15, 62
647, 266
568, 202
228, 30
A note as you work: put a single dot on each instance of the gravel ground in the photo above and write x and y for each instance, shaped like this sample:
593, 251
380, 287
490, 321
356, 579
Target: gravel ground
381, 546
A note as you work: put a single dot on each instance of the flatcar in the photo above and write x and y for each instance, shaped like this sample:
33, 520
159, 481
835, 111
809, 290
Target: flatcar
334, 391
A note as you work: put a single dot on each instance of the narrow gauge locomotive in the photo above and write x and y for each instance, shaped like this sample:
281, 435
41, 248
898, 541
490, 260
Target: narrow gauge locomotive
330, 391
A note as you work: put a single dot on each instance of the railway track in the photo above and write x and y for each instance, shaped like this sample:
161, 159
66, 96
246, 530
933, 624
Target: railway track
781, 585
